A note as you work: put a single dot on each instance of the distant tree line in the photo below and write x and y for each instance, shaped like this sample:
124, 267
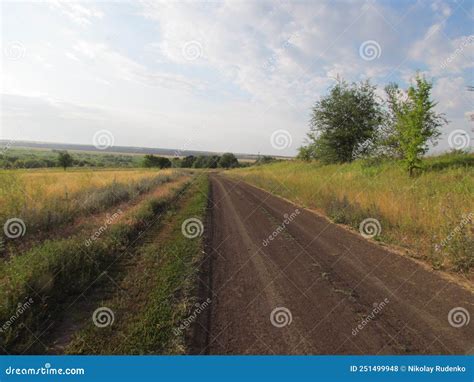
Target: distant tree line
352, 122
227, 160
27, 158
21, 158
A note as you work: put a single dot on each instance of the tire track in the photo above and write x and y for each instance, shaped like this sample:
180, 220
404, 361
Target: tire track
328, 278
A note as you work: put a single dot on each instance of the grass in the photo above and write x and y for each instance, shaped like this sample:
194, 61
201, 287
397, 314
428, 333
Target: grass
55, 270
47, 198
419, 213
159, 290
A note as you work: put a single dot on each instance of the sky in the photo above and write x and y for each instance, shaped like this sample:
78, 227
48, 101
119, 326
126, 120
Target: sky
237, 76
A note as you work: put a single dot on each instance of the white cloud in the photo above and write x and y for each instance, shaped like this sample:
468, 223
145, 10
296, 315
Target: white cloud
255, 67
110, 64
80, 13
440, 7
443, 55
452, 96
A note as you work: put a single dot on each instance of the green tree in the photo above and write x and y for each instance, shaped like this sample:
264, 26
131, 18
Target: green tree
188, 161
413, 122
65, 159
213, 161
206, 161
228, 160
153, 161
343, 122
200, 162
176, 162
304, 153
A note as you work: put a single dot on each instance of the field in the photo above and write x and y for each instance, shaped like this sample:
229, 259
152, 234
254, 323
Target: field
45, 199
191, 261
430, 217
80, 233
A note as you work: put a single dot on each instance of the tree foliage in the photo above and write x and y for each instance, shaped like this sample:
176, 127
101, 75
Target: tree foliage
412, 122
65, 159
228, 160
188, 161
350, 122
342, 122
155, 161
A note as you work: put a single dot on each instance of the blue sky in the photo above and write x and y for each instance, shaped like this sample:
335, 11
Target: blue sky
223, 76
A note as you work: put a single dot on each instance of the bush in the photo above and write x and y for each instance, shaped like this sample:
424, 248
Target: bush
228, 160
153, 161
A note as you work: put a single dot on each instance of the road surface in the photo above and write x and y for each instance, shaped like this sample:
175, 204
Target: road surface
317, 288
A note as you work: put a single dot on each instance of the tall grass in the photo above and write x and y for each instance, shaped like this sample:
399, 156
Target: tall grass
162, 283
417, 213
49, 274
47, 199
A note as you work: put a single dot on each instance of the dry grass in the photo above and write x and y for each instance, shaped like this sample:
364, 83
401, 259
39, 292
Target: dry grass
46, 198
417, 213
45, 271
37, 185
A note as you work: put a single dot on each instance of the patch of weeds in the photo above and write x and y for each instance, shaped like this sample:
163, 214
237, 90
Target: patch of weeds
456, 247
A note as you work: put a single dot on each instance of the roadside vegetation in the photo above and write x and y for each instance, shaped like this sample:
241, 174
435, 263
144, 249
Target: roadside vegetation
431, 216
53, 274
351, 122
160, 284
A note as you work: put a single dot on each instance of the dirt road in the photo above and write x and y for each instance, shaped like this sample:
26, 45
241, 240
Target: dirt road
317, 288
